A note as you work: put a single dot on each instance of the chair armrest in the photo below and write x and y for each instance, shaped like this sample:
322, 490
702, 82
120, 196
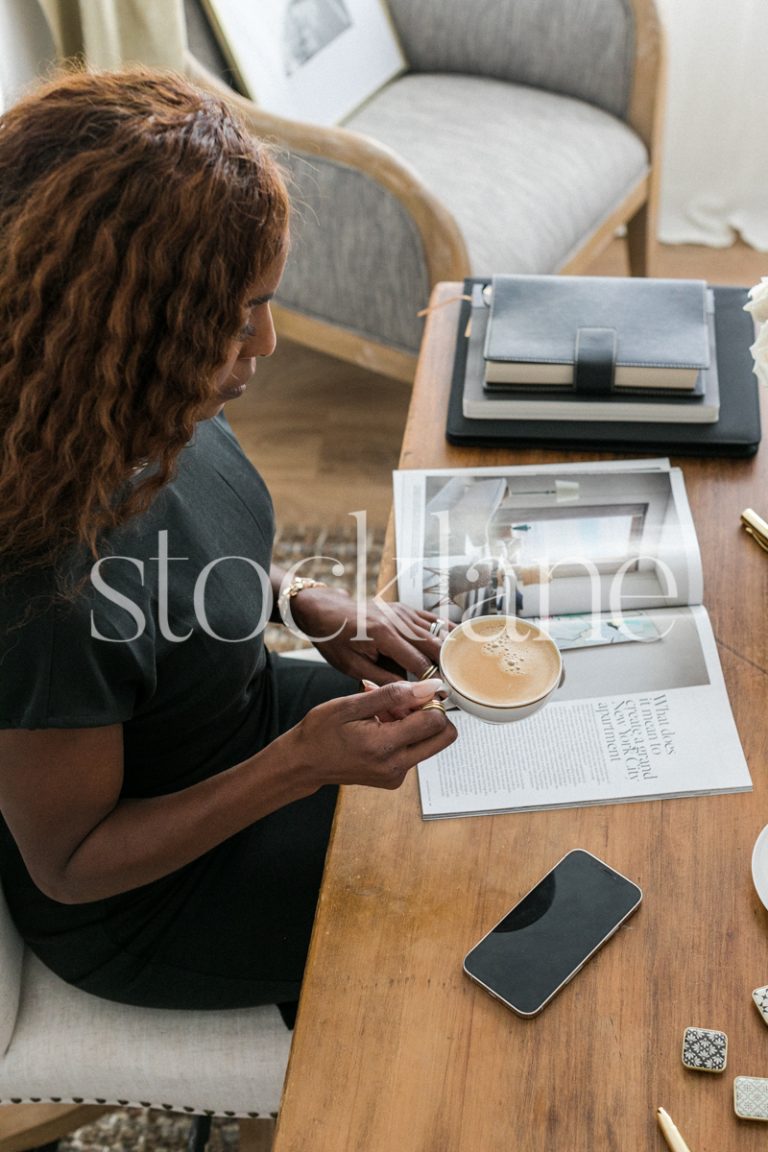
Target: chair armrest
646, 103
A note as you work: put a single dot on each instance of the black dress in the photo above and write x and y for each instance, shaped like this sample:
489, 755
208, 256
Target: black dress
166, 637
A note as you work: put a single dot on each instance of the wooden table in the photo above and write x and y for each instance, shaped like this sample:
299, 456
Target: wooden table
397, 1051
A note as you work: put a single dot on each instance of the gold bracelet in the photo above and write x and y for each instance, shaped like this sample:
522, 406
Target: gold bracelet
288, 591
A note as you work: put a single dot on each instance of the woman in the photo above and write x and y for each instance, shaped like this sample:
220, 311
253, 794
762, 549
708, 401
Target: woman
166, 788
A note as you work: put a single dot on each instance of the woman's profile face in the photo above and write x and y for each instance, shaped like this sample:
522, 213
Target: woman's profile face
257, 339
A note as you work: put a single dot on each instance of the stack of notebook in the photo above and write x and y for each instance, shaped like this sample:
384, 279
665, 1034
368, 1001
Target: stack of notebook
611, 362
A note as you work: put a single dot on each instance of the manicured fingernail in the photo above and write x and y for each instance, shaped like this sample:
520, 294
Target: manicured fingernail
423, 689
368, 685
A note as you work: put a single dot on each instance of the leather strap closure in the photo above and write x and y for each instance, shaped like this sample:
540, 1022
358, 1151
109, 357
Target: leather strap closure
594, 362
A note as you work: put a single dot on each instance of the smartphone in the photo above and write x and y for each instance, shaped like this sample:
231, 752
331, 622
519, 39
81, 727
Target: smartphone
552, 932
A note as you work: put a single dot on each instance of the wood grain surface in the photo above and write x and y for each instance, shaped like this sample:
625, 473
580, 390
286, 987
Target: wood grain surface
397, 1051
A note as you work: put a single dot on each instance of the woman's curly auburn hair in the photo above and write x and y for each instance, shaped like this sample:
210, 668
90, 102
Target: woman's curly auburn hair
135, 212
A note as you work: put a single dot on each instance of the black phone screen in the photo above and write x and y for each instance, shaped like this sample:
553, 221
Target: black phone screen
553, 930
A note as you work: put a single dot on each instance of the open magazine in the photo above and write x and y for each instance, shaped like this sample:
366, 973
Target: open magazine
604, 556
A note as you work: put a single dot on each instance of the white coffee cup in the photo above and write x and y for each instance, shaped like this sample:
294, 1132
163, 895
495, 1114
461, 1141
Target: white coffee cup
500, 668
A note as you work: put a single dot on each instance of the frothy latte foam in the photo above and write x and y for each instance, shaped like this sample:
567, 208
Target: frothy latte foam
500, 661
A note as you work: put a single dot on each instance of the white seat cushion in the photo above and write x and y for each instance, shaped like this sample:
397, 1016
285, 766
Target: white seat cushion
11, 953
70, 1045
526, 173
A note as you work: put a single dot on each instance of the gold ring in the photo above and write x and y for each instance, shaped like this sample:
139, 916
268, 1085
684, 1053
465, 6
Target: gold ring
436, 627
428, 673
435, 705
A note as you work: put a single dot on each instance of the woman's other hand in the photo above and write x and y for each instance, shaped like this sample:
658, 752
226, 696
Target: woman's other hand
365, 639
344, 741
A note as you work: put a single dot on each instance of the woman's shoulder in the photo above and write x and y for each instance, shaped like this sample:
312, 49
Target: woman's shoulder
215, 477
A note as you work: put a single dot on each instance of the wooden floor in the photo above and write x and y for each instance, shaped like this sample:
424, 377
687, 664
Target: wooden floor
326, 435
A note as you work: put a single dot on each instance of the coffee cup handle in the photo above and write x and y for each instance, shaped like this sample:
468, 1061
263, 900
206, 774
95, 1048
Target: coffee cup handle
449, 700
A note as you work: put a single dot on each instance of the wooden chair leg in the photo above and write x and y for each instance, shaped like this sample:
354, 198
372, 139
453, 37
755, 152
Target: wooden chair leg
641, 241
26, 1126
257, 1135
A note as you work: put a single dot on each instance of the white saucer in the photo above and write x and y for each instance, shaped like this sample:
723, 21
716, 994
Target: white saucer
760, 866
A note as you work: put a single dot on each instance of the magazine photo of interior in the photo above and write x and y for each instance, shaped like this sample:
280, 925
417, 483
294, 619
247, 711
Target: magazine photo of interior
545, 543
644, 652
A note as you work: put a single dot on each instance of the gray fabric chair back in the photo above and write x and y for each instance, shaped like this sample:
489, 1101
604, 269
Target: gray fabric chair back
582, 48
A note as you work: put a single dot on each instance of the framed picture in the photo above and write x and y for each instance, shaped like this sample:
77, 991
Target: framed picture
311, 60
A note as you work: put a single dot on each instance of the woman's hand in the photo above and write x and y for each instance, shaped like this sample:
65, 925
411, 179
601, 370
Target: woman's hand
343, 741
364, 639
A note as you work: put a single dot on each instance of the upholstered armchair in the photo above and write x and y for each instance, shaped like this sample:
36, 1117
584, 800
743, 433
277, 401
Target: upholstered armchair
521, 136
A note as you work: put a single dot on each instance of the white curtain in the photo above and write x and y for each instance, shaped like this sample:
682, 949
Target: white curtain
715, 157
112, 33
26, 48
107, 33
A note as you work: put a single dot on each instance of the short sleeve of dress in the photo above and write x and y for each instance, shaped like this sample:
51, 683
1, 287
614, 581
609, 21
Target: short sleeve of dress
75, 663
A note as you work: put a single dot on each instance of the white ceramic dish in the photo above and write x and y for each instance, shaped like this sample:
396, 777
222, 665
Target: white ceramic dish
760, 866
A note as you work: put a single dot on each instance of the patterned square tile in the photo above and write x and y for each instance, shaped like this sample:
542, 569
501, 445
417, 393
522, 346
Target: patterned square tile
760, 997
750, 1097
705, 1049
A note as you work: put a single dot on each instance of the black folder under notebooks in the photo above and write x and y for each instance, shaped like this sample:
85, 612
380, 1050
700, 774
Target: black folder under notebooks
736, 433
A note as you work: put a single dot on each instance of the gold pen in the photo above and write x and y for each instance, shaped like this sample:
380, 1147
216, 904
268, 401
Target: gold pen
673, 1138
756, 526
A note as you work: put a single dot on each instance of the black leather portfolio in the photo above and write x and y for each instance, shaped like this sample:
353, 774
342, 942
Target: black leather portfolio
635, 332
736, 433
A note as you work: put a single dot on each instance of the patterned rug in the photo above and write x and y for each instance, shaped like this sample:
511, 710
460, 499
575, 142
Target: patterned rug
144, 1130
318, 551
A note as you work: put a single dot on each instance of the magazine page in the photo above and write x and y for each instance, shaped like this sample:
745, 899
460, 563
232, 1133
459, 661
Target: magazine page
545, 540
626, 724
